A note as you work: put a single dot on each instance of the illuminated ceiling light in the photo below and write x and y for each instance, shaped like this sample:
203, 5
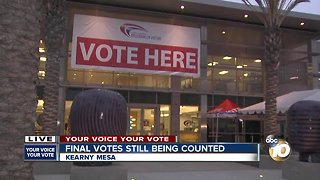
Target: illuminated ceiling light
102, 82
294, 77
74, 74
302, 23
257, 60
246, 16
41, 47
118, 74
164, 115
182, 7
91, 75
239, 67
213, 63
245, 65
245, 74
223, 72
319, 79
42, 72
43, 59
227, 58
223, 32
261, 176
41, 50
40, 102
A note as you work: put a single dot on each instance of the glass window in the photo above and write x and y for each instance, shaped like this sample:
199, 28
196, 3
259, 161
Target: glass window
121, 79
234, 75
39, 112
189, 123
97, 77
190, 83
66, 117
164, 119
75, 76
291, 72
42, 61
148, 122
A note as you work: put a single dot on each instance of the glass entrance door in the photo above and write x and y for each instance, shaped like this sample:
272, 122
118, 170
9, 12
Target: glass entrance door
143, 120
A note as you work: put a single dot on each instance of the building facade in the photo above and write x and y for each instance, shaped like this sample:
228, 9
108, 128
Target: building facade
231, 67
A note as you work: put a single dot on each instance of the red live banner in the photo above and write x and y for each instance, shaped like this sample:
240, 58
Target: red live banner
131, 139
106, 53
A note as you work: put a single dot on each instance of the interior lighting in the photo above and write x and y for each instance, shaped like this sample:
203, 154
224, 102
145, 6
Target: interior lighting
42, 73
42, 58
294, 77
223, 72
41, 47
223, 32
182, 7
302, 23
227, 58
164, 115
239, 67
245, 74
257, 60
246, 16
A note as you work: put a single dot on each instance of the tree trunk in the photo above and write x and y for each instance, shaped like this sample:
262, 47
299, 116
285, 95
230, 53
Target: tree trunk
19, 43
272, 60
54, 39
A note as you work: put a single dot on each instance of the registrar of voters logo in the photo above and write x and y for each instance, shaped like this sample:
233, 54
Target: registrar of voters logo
279, 149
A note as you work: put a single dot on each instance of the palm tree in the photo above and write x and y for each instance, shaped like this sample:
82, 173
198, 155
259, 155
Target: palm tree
272, 13
19, 43
54, 27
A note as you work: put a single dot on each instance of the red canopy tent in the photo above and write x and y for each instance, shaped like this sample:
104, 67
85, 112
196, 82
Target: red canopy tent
227, 109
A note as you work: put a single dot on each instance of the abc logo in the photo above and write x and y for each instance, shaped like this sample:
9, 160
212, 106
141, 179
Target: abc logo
279, 149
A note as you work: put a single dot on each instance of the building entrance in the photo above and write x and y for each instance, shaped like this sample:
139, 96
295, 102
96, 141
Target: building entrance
144, 120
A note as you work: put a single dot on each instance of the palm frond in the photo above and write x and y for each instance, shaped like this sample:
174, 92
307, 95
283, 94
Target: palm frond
289, 8
262, 17
273, 11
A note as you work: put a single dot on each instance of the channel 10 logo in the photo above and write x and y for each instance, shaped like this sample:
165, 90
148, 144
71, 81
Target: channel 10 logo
279, 149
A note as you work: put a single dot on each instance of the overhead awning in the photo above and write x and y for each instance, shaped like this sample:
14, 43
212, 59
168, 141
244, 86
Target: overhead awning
284, 102
226, 109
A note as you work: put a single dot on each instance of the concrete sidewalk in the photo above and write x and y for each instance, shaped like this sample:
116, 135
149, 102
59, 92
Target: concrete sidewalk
171, 170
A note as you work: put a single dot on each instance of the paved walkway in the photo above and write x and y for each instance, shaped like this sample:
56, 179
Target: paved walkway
173, 170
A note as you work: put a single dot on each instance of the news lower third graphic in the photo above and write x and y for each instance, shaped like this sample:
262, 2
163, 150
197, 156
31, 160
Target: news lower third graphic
133, 148
279, 149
